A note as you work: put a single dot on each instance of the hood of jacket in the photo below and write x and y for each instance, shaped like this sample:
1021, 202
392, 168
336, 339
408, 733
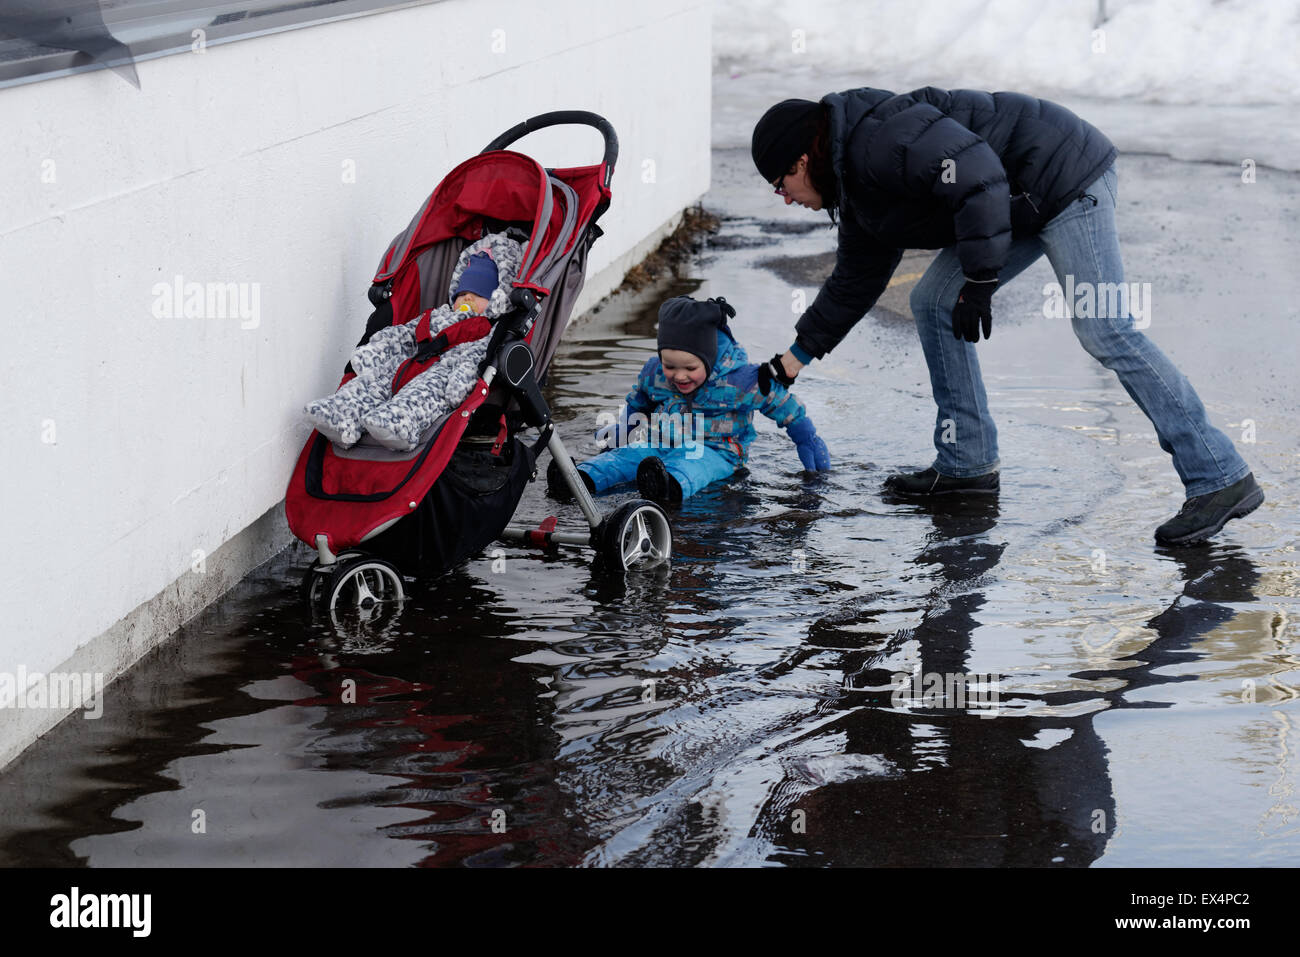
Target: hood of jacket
730, 355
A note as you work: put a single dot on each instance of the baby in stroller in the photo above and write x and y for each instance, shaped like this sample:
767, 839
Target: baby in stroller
396, 414
697, 399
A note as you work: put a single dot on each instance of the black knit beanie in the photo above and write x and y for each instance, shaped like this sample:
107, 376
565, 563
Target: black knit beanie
692, 326
782, 135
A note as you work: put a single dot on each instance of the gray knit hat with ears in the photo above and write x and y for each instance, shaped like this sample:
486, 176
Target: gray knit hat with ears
692, 326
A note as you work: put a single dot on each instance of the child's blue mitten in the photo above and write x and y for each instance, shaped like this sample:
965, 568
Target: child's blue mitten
812, 450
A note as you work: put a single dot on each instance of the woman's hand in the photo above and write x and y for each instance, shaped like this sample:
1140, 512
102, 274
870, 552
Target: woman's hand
781, 368
974, 309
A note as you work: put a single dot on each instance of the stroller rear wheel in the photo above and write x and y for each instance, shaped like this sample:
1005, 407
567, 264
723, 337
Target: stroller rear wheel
364, 583
358, 583
635, 536
313, 585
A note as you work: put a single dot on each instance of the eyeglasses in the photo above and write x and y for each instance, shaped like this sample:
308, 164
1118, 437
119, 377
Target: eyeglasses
779, 185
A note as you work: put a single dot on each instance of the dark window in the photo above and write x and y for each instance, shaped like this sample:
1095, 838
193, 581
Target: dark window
44, 38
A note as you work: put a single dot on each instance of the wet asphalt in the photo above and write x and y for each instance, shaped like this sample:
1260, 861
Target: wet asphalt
740, 707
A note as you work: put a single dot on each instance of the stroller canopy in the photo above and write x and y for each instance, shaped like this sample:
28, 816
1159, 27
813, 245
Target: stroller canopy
505, 187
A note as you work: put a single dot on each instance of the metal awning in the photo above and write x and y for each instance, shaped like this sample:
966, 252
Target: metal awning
44, 39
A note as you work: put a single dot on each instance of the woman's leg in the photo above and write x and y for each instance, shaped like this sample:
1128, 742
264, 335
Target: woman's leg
964, 434
1082, 244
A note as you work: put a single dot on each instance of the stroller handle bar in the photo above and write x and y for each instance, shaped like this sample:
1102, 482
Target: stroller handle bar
560, 118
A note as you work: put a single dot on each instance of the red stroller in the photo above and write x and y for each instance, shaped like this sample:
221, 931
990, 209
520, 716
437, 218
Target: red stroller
372, 513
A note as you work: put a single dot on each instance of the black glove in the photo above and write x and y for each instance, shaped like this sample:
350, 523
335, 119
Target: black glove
773, 369
974, 309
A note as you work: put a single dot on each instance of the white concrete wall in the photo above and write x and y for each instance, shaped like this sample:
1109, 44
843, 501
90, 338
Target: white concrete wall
138, 445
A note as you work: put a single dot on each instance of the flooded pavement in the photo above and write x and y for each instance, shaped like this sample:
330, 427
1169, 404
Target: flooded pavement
1103, 702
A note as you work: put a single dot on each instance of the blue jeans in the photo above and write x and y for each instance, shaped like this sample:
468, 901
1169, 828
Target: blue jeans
1082, 245
619, 465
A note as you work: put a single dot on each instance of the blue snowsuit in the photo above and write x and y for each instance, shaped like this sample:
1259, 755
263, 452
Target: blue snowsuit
726, 400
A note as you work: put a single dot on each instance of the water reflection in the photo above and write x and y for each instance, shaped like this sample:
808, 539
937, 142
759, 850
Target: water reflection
455, 724
1008, 789
1019, 789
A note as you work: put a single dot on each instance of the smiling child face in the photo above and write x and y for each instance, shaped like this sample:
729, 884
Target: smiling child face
685, 370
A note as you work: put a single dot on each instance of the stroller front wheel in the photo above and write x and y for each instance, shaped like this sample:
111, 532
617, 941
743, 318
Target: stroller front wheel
635, 536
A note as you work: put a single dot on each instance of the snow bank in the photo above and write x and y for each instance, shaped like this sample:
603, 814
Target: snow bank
1163, 51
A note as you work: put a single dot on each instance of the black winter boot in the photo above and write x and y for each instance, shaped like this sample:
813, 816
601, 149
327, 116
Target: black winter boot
929, 482
655, 482
1203, 515
558, 489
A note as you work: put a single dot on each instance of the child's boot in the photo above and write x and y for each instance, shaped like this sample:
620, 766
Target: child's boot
655, 482
558, 489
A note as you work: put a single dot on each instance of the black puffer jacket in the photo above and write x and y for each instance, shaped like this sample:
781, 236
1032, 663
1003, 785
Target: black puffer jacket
1017, 162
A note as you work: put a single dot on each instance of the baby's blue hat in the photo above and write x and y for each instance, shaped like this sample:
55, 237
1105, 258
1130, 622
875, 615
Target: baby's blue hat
478, 277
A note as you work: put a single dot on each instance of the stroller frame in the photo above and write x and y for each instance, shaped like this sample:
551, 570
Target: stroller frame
634, 536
